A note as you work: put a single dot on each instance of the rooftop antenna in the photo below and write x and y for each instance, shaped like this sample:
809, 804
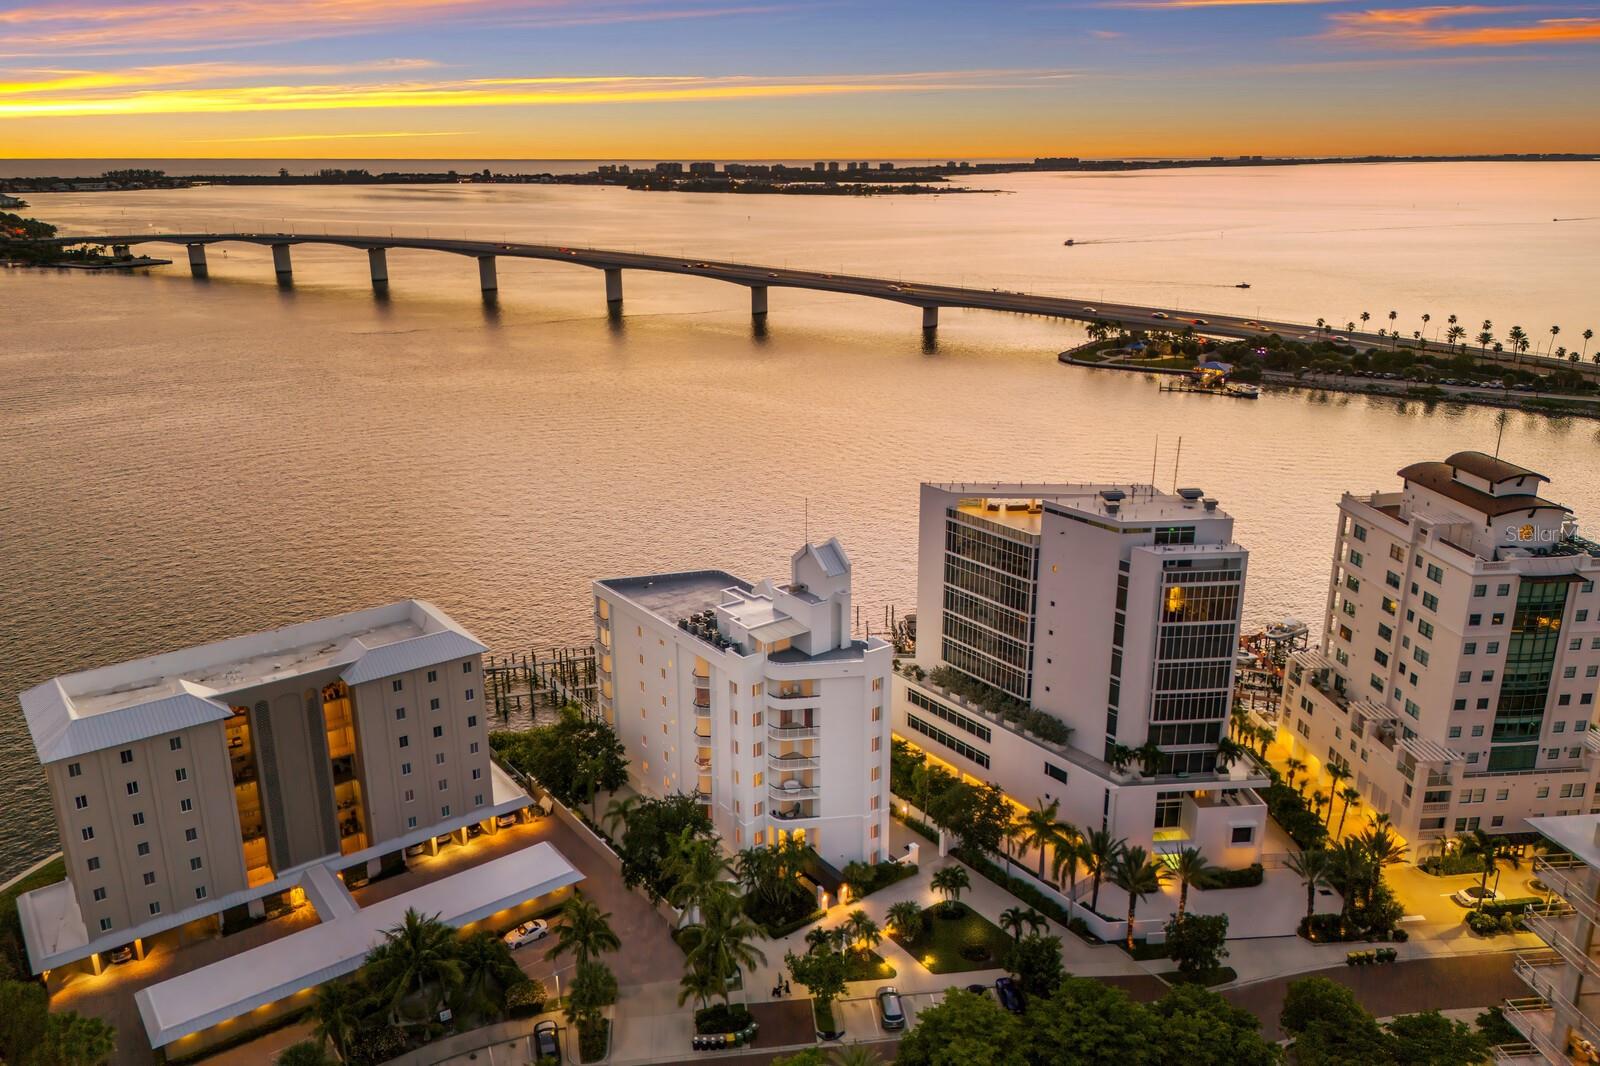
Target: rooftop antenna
1154, 453
808, 519
1175, 465
1500, 421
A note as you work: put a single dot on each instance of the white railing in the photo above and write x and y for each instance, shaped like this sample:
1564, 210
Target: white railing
778, 731
1544, 926
1572, 880
802, 793
792, 762
1533, 1018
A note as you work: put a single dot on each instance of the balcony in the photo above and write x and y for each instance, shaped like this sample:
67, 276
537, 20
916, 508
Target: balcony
786, 731
794, 761
702, 728
799, 792
702, 701
1542, 970
781, 696
1571, 880
1536, 1021
1547, 928
794, 812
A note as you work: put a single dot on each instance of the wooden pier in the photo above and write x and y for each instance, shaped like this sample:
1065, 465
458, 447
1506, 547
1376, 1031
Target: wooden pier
528, 681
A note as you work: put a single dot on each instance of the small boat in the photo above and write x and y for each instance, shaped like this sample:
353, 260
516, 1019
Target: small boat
1242, 285
1244, 392
1069, 242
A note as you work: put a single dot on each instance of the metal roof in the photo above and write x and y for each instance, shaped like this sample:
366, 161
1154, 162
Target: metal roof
1440, 478
109, 706
1490, 468
276, 970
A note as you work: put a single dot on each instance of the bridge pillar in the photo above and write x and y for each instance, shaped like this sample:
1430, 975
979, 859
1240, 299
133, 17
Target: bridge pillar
613, 285
930, 317
280, 260
197, 260
487, 278
758, 300
378, 260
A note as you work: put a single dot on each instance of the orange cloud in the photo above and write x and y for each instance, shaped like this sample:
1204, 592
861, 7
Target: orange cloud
139, 92
1157, 5
1438, 27
90, 28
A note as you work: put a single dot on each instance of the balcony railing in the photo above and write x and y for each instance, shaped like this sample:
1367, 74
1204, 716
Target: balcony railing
703, 730
803, 792
1571, 879
703, 762
702, 701
1535, 1020
791, 697
783, 731
793, 762
1545, 928
1540, 970
794, 813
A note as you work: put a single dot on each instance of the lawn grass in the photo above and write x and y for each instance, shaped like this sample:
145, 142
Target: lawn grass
940, 940
868, 966
1220, 976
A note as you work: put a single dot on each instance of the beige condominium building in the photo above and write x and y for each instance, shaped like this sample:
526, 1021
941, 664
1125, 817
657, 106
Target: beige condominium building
199, 780
1457, 674
756, 699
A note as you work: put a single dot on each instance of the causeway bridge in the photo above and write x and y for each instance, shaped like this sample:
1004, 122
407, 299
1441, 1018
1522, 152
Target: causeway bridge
926, 298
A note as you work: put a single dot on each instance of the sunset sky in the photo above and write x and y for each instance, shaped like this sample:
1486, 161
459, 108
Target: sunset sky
769, 79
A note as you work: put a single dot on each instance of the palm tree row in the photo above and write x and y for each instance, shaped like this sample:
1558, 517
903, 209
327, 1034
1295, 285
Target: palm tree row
1456, 333
1355, 867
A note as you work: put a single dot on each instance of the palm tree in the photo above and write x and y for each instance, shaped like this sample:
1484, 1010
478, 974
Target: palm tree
950, 882
905, 918
1452, 320
1138, 876
618, 811
1010, 833
863, 932
699, 984
1588, 335
338, 1013
418, 955
1264, 737
1485, 336
1191, 868
1426, 318
1366, 316
1322, 324
1041, 830
1338, 774
699, 871
1068, 855
1294, 766
1454, 335
1349, 327
1383, 849
1317, 799
1555, 331
1101, 851
1229, 751
1519, 339
1014, 919
486, 972
857, 1055
1351, 869
1487, 849
1392, 316
1350, 794
585, 931
720, 944
1313, 867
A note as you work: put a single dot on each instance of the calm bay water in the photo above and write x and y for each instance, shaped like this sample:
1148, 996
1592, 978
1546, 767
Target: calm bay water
187, 460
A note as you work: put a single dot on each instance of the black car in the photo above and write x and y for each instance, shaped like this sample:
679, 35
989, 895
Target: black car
1009, 995
892, 1011
546, 1045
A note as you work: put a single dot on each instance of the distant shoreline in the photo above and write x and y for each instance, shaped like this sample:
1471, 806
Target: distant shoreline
822, 177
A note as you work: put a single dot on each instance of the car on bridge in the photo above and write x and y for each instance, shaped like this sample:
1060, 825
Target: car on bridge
1201, 322
1160, 314
1091, 310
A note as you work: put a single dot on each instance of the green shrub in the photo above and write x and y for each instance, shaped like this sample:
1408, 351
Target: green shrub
373, 1046
525, 999
1249, 877
721, 1018
866, 878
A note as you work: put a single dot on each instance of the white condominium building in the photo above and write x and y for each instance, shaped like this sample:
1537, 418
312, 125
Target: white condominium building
1112, 611
203, 780
1456, 679
755, 699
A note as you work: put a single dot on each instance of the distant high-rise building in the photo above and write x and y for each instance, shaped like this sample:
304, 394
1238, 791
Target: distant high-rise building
703, 169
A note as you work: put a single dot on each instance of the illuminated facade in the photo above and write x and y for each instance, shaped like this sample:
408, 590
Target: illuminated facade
1457, 674
756, 699
196, 780
1110, 615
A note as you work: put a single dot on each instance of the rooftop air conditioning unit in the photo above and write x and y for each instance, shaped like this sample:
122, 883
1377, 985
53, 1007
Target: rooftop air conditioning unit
1191, 494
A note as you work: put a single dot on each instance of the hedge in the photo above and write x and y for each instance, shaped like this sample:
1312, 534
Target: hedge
1249, 877
865, 879
1027, 893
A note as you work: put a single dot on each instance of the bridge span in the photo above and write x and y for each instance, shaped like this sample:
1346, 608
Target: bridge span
758, 279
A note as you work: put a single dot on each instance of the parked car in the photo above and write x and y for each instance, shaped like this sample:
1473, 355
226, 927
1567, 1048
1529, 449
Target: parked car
527, 933
475, 829
546, 1043
890, 1010
1473, 894
121, 955
505, 821
1009, 995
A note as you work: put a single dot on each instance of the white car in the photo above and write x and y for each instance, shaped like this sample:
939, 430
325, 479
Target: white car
527, 933
1472, 894
1160, 314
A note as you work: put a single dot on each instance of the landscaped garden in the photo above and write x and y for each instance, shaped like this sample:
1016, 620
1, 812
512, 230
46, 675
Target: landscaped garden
948, 937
